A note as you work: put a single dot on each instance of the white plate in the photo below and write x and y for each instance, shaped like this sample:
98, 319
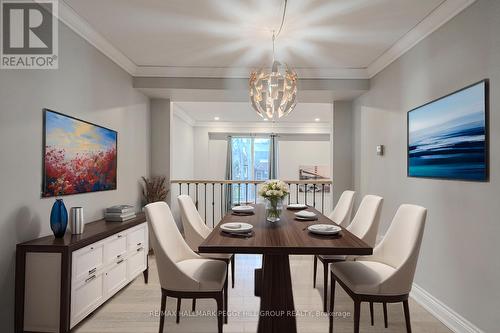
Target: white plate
236, 227
305, 214
324, 229
297, 206
243, 209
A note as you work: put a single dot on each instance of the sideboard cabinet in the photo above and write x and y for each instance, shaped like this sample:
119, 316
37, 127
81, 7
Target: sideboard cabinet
61, 281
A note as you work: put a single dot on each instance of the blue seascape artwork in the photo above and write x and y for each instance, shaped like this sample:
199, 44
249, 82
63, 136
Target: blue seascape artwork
447, 138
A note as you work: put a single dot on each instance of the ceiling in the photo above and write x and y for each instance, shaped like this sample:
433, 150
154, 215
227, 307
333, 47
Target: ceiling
228, 38
237, 112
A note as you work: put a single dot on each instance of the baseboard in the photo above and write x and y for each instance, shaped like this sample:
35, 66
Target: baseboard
442, 312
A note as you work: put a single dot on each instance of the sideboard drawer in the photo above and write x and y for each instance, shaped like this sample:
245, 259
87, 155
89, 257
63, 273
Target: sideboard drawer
136, 263
86, 297
137, 237
87, 261
115, 278
115, 248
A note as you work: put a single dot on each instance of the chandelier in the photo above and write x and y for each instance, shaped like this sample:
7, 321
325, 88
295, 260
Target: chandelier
274, 93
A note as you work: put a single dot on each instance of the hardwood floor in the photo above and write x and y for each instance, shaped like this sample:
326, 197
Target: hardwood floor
130, 310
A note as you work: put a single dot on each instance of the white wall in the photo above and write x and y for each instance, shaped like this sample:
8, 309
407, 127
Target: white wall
86, 85
182, 166
459, 262
342, 149
182, 149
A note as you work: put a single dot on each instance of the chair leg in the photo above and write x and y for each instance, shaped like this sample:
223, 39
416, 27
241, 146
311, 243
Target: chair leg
162, 311
385, 314
407, 316
233, 258
178, 313
357, 310
193, 308
220, 310
371, 312
332, 303
225, 301
325, 285
314, 271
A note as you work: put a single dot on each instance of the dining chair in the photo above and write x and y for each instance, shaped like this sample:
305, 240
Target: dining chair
341, 215
387, 275
195, 232
182, 272
364, 226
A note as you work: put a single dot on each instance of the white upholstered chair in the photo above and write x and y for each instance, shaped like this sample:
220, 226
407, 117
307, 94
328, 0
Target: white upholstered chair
341, 215
364, 226
195, 231
342, 212
387, 275
182, 272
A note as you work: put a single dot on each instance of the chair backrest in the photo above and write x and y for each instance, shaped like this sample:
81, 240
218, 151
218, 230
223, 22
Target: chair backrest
342, 212
195, 230
169, 247
401, 246
367, 219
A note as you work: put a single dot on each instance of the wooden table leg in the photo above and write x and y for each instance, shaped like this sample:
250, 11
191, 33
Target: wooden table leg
277, 311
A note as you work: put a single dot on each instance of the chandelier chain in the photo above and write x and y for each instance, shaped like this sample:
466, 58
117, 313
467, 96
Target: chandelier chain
282, 20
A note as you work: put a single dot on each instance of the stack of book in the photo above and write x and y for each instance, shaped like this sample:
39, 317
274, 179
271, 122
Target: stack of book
119, 213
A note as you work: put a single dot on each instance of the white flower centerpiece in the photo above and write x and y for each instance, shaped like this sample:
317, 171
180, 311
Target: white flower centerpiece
274, 191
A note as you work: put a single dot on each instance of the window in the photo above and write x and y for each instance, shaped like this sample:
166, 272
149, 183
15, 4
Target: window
250, 161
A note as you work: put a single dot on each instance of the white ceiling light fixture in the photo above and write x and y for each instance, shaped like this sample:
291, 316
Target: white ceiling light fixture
274, 93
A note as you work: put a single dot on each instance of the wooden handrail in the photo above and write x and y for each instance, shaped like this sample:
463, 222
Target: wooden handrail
211, 181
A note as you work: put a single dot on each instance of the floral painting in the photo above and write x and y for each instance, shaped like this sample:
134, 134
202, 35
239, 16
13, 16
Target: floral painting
79, 157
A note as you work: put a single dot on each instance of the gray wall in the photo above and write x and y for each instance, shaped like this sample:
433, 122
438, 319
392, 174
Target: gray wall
459, 262
89, 86
343, 177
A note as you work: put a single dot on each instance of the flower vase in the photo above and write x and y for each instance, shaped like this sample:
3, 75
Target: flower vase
59, 218
274, 207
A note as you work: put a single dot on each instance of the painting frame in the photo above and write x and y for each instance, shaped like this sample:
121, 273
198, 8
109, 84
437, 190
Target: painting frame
314, 172
486, 177
44, 193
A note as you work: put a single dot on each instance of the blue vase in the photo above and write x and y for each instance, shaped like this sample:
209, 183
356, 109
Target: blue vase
59, 218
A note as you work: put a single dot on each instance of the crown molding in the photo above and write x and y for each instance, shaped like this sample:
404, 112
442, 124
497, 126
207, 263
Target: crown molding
75, 22
436, 19
264, 125
179, 112
244, 72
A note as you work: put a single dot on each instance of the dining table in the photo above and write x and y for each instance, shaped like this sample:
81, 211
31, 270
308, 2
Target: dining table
276, 241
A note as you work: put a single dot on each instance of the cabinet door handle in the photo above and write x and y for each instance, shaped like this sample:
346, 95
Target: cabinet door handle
120, 236
90, 279
139, 244
120, 261
119, 256
140, 249
93, 270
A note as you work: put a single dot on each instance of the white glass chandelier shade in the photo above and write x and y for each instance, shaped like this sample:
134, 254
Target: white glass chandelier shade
273, 93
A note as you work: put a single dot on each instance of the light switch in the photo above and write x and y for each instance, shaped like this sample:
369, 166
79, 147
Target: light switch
380, 150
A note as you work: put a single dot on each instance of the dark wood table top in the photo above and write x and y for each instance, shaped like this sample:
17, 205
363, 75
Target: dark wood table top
288, 236
92, 232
